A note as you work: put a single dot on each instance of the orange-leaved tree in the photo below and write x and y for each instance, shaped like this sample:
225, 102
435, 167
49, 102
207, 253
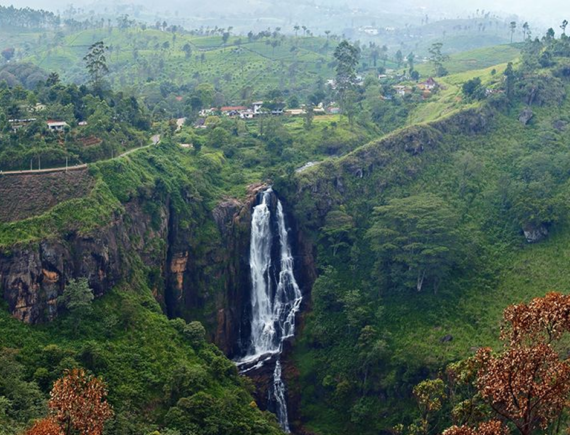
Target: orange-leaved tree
78, 405
528, 384
47, 426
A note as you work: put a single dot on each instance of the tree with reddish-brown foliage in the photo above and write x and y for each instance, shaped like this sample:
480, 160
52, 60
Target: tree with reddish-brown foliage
542, 320
78, 403
528, 384
493, 427
47, 426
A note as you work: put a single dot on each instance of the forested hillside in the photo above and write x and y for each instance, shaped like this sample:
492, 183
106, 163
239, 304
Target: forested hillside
424, 237
409, 202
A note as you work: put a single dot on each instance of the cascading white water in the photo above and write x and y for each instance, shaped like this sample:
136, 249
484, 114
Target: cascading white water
275, 299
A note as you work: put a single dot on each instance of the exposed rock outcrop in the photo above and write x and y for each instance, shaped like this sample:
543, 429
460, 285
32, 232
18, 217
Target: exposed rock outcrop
32, 276
535, 234
525, 116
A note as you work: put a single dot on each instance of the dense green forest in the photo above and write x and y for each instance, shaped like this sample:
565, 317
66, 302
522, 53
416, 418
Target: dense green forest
426, 196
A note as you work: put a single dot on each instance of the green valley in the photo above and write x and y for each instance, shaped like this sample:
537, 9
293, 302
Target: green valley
283, 230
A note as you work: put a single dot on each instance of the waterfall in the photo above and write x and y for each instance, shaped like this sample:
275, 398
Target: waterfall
275, 295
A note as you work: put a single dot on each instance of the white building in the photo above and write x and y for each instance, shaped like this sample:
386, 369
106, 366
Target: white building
256, 107
57, 125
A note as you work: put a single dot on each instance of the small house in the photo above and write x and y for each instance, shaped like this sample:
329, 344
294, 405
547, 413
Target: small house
57, 125
403, 90
247, 114
429, 85
17, 124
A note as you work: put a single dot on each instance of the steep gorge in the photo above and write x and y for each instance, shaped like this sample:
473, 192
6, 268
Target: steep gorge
198, 272
199, 269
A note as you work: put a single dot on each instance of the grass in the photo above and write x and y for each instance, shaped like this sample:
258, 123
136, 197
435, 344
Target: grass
478, 59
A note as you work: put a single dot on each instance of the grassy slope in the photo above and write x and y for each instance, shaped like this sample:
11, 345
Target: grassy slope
231, 67
476, 59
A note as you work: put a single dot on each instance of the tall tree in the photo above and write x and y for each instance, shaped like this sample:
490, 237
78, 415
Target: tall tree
96, 62
399, 58
411, 58
563, 26
437, 58
512, 27
77, 298
347, 57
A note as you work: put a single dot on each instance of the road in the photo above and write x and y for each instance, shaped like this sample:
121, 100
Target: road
154, 139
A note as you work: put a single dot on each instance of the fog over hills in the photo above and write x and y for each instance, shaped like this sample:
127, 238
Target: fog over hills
339, 13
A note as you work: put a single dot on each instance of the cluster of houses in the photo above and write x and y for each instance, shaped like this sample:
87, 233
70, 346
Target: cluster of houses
426, 88
242, 112
256, 109
52, 125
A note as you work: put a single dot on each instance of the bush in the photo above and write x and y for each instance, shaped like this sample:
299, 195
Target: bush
195, 333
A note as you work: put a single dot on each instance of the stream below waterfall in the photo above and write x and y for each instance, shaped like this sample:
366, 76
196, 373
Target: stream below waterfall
275, 296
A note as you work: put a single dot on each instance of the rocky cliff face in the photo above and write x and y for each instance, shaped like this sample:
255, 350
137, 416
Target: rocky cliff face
32, 276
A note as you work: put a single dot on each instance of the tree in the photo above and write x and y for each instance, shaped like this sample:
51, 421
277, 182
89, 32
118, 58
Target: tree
78, 402
429, 395
411, 58
53, 79
528, 383
526, 31
563, 26
187, 49
309, 116
347, 57
374, 54
225, 37
399, 58
437, 58
196, 333
77, 298
96, 62
416, 240
473, 89
8, 53
512, 27
338, 230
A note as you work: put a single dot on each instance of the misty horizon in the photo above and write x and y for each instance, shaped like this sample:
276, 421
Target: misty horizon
193, 12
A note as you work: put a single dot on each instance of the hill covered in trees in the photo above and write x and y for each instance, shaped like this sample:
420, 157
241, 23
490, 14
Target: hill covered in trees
420, 207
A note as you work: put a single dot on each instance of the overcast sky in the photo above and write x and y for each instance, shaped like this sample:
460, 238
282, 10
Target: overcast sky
549, 12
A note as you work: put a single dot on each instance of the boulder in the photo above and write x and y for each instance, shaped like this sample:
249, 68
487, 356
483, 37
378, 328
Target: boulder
525, 116
535, 234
